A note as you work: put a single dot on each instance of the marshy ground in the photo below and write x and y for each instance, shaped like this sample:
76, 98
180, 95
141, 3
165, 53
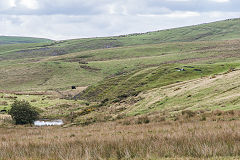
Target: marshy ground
174, 140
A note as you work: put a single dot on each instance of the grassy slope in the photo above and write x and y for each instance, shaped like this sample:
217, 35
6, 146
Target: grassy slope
44, 76
14, 40
213, 97
149, 69
162, 61
63, 71
218, 93
125, 70
123, 86
222, 30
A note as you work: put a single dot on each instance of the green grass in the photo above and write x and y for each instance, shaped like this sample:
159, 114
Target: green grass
133, 79
89, 67
222, 30
14, 40
123, 86
49, 106
45, 76
220, 93
116, 68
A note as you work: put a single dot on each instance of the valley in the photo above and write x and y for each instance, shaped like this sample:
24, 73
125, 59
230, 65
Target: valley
180, 83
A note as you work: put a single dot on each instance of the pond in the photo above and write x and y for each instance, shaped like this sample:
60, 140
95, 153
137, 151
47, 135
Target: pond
48, 122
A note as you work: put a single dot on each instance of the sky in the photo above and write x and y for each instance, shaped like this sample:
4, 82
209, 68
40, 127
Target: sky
69, 19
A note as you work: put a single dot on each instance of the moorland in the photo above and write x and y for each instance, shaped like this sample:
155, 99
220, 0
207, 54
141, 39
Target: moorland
168, 94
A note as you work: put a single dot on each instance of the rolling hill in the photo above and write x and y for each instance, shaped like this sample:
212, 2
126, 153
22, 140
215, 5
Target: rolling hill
14, 40
124, 71
216, 31
42, 66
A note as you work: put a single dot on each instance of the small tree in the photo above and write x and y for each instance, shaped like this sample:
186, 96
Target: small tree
23, 113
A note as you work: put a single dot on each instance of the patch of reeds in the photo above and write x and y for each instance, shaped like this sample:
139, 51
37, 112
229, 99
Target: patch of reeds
115, 141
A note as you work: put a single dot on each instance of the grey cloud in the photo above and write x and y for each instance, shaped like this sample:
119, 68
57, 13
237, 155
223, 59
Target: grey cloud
198, 5
65, 7
64, 19
67, 27
94, 7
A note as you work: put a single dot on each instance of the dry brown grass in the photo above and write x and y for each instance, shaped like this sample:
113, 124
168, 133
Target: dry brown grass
5, 119
198, 140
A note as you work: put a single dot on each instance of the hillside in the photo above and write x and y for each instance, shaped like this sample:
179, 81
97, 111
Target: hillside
86, 68
116, 74
14, 40
131, 84
221, 30
220, 92
93, 59
112, 93
216, 31
207, 98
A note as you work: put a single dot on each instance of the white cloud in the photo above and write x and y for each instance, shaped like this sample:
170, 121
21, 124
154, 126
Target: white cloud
220, 1
6, 4
117, 9
30, 4
178, 0
64, 19
77, 26
12, 3
187, 14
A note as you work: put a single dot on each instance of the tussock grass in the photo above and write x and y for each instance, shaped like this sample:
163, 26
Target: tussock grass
5, 119
199, 140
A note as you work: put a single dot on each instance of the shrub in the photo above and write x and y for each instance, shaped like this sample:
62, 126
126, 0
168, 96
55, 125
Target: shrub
34, 100
231, 112
126, 122
23, 113
188, 113
203, 118
143, 119
161, 119
217, 112
4, 103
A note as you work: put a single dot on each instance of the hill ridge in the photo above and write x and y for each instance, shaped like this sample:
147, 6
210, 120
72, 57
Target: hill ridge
19, 39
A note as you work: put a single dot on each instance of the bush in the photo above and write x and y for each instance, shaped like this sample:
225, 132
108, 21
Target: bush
23, 113
203, 118
142, 120
217, 112
188, 113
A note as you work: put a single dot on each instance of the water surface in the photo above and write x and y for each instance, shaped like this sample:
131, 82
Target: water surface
48, 123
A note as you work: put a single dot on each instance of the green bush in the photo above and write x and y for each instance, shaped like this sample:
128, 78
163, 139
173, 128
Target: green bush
23, 113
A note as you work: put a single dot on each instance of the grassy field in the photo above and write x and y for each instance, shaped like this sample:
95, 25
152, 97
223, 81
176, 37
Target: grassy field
82, 62
171, 94
202, 95
49, 104
115, 75
88, 67
166, 140
45, 76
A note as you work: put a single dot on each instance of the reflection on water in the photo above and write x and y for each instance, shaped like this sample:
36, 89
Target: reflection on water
48, 123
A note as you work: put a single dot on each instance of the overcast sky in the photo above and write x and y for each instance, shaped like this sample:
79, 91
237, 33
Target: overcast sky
67, 19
